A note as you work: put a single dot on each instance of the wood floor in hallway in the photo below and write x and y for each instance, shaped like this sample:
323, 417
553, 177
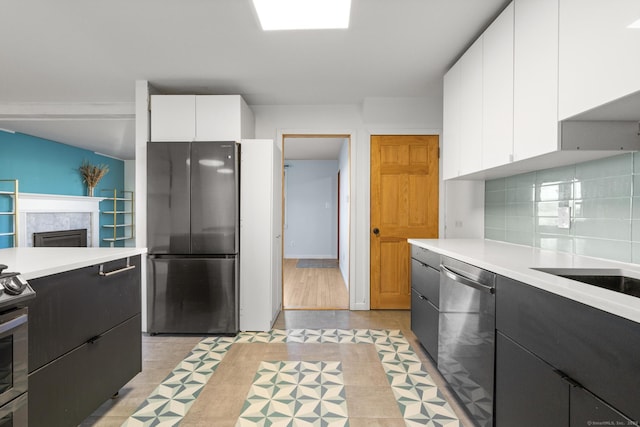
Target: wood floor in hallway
313, 288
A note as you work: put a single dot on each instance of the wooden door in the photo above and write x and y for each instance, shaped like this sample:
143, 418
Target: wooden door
404, 204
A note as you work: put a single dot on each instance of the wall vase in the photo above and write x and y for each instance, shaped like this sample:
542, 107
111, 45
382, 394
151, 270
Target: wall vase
90, 191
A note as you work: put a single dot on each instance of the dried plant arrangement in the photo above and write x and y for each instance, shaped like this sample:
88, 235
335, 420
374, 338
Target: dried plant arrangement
92, 174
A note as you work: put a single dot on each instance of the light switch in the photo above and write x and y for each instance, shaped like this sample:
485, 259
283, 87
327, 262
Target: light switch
564, 217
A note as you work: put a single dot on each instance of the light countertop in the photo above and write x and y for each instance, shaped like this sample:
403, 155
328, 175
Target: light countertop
39, 262
517, 261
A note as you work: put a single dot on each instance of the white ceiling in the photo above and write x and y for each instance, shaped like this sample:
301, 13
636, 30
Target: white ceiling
63, 57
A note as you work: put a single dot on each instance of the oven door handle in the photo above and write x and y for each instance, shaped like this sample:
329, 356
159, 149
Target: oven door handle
459, 278
13, 323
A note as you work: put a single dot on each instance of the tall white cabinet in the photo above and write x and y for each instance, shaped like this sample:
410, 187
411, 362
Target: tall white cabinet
260, 234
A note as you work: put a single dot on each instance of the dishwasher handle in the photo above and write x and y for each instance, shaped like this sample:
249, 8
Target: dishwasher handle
457, 277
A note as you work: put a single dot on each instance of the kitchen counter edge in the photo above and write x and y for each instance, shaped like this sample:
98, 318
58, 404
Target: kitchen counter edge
517, 262
39, 262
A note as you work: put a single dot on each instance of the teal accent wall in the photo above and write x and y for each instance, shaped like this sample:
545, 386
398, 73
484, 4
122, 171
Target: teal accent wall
49, 167
603, 196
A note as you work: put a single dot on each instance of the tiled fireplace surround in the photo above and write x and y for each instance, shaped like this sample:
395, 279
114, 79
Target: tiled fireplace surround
603, 196
50, 212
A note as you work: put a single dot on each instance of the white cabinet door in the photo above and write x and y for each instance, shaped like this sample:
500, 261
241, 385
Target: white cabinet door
452, 102
218, 118
223, 118
471, 109
599, 54
497, 82
535, 85
276, 230
260, 258
173, 118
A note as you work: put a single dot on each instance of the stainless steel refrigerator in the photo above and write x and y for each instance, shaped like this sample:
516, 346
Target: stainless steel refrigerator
192, 237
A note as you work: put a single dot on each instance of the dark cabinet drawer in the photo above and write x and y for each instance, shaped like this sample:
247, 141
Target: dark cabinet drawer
593, 347
426, 256
424, 323
75, 306
528, 393
66, 391
426, 281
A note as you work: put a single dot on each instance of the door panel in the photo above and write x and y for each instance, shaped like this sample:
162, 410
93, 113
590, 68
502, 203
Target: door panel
214, 198
192, 295
404, 204
168, 184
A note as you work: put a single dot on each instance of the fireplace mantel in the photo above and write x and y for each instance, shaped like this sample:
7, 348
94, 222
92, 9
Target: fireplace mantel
56, 203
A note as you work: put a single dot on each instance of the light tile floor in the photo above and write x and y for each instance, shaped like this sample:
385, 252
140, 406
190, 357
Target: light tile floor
372, 372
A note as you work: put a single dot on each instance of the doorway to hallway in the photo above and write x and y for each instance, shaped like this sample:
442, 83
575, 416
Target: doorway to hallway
316, 222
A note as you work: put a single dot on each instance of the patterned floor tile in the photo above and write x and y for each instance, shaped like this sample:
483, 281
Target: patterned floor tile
300, 393
296, 393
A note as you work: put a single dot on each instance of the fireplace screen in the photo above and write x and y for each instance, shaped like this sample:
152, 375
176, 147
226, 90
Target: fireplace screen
66, 238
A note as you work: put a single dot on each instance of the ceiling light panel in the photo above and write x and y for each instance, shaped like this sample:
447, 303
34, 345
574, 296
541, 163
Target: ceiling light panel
303, 14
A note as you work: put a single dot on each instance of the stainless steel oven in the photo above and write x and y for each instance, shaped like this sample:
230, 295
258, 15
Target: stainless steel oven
14, 349
13, 368
466, 336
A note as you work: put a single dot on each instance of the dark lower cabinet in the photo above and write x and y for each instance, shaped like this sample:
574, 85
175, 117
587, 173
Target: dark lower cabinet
424, 323
562, 363
587, 410
528, 393
67, 390
85, 340
425, 295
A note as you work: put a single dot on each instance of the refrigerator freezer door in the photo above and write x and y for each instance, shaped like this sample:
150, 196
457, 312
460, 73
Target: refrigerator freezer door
214, 198
168, 182
192, 295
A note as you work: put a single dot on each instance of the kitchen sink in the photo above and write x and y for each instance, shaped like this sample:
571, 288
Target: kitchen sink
603, 278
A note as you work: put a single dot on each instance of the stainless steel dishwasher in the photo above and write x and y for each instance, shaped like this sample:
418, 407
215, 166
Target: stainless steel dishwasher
466, 336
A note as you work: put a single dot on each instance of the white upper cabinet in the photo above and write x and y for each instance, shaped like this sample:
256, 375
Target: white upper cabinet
452, 103
599, 54
497, 84
471, 109
535, 91
173, 118
478, 103
223, 118
200, 118
560, 84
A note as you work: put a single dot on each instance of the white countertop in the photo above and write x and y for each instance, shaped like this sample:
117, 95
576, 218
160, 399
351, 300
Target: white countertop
39, 262
517, 261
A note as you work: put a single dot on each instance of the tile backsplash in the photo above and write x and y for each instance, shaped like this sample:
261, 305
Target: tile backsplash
603, 197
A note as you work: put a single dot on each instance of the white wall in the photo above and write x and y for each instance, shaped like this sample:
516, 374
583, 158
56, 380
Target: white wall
343, 237
376, 116
311, 228
464, 209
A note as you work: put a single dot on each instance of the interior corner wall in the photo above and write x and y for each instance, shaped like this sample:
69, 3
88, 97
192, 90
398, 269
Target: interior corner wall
406, 116
464, 209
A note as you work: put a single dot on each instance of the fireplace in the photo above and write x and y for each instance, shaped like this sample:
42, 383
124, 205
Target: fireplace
65, 238
52, 212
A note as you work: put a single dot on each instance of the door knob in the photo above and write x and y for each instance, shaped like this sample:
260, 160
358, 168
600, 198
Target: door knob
376, 231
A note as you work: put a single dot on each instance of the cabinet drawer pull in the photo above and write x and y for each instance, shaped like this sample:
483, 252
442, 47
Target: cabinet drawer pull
566, 378
120, 270
93, 339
